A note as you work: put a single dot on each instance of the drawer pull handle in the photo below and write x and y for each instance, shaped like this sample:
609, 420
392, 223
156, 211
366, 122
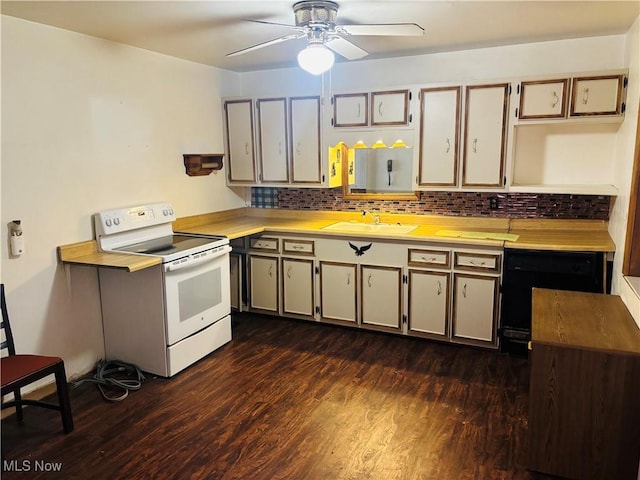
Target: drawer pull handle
585, 96
448, 146
271, 270
430, 259
464, 291
475, 145
555, 101
349, 278
439, 287
482, 263
369, 281
289, 272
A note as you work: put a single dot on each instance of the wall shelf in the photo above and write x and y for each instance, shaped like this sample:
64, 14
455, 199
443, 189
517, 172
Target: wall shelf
198, 164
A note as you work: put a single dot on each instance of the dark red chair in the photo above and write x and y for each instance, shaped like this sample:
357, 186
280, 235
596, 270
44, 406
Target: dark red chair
17, 371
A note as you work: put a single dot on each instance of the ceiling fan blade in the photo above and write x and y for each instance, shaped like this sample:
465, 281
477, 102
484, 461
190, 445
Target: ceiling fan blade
300, 29
345, 48
388, 29
266, 44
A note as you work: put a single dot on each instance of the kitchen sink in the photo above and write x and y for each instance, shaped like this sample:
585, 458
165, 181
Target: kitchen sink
357, 227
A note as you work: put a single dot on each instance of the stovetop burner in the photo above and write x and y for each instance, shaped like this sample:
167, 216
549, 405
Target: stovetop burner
169, 244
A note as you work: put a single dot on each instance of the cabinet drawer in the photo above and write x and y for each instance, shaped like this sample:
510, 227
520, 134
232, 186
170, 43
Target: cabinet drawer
298, 247
433, 258
265, 243
485, 262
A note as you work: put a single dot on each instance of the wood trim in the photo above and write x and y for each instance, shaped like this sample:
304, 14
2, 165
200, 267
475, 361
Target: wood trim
495, 256
631, 260
574, 93
405, 119
427, 263
250, 258
456, 143
496, 298
563, 112
375, 326
503, 146
340, 321
310, 261
319, 133
285, 249
447, 327
346, 95
259, 102
228, 140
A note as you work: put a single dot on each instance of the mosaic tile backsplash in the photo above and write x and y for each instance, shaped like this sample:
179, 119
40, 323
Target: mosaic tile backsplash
467, 204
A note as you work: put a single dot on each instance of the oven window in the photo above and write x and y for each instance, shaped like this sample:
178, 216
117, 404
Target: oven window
200, 293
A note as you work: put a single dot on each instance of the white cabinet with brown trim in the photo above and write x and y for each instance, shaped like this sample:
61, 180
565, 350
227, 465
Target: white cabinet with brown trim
298, 277
485, 134
543, 99
239, 142
598, 95
263, 274
428, 290
476, 289
288, 138
376, 109
338, 292
381, 295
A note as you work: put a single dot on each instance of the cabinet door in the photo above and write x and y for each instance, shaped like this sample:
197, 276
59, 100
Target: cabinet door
485, 134
351, 110
390, 108
335, 157
474, 308
263, 277
428, 303
272, 130
543, 99
305, 139
297, 286
597, 95
439, 137
381, 289
240, 154
338, 291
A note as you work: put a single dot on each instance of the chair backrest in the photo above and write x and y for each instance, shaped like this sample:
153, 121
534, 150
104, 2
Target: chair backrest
6, 346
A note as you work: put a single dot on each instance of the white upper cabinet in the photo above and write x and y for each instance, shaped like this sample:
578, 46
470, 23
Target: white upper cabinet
543, 99
439, 136
390, 108
239, 136
597, 95
305, 139
272, 140
351, 110
485, 135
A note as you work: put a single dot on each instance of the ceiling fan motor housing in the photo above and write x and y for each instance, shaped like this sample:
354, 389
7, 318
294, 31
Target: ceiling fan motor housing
318, 14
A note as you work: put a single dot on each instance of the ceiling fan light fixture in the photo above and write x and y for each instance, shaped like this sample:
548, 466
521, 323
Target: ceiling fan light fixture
316, 59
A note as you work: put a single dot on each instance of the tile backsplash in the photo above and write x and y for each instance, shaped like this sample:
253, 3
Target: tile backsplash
477, 204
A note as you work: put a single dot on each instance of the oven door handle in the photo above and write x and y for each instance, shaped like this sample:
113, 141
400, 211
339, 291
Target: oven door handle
170, 267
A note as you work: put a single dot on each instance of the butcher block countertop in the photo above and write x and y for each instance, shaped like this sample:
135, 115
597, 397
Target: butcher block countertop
574, 235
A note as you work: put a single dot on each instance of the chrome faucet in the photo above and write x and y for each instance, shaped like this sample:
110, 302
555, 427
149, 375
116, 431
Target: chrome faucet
376, 217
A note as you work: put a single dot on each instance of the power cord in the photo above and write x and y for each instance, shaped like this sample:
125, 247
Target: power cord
101, 379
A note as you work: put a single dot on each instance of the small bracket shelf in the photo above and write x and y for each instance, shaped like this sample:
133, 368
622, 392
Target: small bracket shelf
197, 164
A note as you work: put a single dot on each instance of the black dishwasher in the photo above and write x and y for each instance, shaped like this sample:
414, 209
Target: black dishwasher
525, 269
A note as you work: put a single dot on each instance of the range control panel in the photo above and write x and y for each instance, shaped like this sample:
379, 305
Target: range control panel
120, 220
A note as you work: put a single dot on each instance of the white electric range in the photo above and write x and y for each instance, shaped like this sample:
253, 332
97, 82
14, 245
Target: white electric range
166, 317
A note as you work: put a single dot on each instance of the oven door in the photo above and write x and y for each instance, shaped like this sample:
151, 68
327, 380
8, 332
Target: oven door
197, 294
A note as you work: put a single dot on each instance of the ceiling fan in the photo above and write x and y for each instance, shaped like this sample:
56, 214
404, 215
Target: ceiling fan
316, 21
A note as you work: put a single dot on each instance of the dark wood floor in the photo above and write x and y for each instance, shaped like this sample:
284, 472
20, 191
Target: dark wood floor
295, 400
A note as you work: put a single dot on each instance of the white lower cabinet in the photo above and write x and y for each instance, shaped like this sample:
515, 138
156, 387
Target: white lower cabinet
338, 282
298, 287
263, 281
428, 312
381, 294
475, 301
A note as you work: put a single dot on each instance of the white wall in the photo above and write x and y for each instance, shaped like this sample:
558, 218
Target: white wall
89, 125
576, 55
623, 169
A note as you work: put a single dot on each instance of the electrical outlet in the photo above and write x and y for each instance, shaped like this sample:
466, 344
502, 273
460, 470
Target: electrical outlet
493, 203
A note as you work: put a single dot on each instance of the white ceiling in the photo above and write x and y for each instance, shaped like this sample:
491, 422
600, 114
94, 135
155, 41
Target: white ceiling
205, 31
